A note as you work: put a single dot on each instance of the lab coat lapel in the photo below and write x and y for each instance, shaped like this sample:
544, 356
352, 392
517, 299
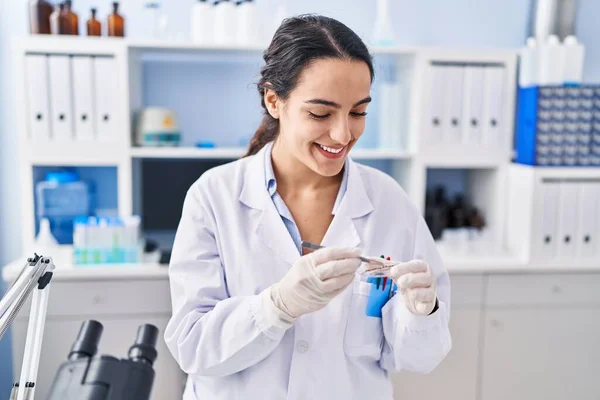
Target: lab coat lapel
267, 223
355, 204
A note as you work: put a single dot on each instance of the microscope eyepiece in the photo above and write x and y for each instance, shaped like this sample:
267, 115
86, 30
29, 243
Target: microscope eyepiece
144, 348
86, 344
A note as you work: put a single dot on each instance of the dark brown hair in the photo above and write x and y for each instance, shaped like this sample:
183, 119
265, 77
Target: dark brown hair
297, 42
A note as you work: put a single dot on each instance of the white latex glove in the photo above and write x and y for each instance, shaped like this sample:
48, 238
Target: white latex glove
417, 284
314, 280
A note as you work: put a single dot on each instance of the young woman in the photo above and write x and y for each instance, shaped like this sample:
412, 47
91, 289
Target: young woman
255, 316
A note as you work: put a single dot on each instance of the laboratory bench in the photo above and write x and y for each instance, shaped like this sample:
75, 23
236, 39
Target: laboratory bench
517, 329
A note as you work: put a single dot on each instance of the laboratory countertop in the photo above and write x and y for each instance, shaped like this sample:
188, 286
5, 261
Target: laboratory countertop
500, 264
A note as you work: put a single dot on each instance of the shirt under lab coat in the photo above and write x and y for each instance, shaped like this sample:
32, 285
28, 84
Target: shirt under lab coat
232, 244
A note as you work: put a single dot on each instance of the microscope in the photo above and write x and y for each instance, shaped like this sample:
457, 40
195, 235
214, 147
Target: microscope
87, 376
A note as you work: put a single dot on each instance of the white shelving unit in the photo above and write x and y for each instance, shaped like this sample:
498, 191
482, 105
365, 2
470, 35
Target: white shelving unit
409, 165
236, 152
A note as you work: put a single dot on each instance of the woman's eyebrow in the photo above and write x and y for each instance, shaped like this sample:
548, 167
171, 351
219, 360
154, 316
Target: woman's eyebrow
333, 104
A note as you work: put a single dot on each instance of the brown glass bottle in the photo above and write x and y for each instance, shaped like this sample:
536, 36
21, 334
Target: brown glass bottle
59, 22
73, 19
39, 17
94, 27
116, 23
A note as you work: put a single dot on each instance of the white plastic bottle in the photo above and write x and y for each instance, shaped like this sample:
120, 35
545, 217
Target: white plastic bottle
201, 22
574, 54
551, 62
247, 25
281, 13
383, 34
45, 243
528, 63
225, 22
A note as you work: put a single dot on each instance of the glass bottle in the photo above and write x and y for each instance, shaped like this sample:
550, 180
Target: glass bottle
59, 22
39, 17
94, 27
72, 17
116, 23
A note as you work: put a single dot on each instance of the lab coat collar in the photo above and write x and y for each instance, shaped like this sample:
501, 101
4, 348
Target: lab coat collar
271, 229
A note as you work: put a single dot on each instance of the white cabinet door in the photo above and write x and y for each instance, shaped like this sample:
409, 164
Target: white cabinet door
542, 353
456, 376
117, 336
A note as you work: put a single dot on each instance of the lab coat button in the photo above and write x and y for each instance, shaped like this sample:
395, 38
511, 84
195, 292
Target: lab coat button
302, 346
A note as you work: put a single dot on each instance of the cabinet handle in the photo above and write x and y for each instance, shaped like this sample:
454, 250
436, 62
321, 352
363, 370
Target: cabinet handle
97, 299
495, 323
556, 289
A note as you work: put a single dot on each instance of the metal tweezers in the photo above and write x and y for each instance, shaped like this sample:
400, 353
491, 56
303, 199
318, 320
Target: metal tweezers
379, 271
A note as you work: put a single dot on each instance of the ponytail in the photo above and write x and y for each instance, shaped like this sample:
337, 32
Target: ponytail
266, 132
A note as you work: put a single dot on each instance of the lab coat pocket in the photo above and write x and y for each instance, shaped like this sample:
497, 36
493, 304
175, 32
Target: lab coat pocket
364, 334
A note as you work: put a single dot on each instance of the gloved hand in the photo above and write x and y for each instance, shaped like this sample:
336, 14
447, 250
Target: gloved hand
417, 284
314, 280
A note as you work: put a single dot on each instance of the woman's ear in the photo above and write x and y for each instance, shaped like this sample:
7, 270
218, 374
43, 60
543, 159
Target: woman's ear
272, 103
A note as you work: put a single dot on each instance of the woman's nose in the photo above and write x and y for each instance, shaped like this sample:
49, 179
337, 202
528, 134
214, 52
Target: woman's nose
341, 132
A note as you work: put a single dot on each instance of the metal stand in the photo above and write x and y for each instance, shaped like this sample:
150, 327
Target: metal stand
37, 273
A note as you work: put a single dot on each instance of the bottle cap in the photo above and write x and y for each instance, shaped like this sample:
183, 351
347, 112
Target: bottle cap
61, 176
570, 40
553, 40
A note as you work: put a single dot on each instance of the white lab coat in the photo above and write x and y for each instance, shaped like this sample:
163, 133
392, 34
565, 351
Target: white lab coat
231, 244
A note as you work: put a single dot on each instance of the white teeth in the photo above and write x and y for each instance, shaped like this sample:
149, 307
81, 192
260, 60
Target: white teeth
330, 149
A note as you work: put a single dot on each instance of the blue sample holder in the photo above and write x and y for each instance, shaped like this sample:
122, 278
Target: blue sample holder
558, 126
379, 295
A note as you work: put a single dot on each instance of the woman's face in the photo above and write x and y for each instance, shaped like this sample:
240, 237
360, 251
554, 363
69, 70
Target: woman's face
324, 115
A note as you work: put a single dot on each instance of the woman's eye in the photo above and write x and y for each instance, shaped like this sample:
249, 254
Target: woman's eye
359, 114
318, 116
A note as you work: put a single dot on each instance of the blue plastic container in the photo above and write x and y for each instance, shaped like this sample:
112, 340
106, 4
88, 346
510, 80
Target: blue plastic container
61, 198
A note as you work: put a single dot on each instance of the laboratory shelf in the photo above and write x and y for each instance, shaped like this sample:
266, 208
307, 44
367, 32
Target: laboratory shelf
188, 152
464, 156
109, 45
57, 153
179, 46
237, 152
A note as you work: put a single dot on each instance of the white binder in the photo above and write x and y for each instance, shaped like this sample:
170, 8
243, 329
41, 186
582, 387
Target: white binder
567, 220
453, 103
588, 224
83, 98
435, 117
38, 109
544, 245
61, 105
493, 100
473, 104
106, 97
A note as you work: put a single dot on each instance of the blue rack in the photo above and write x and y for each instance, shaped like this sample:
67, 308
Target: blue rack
558, 126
